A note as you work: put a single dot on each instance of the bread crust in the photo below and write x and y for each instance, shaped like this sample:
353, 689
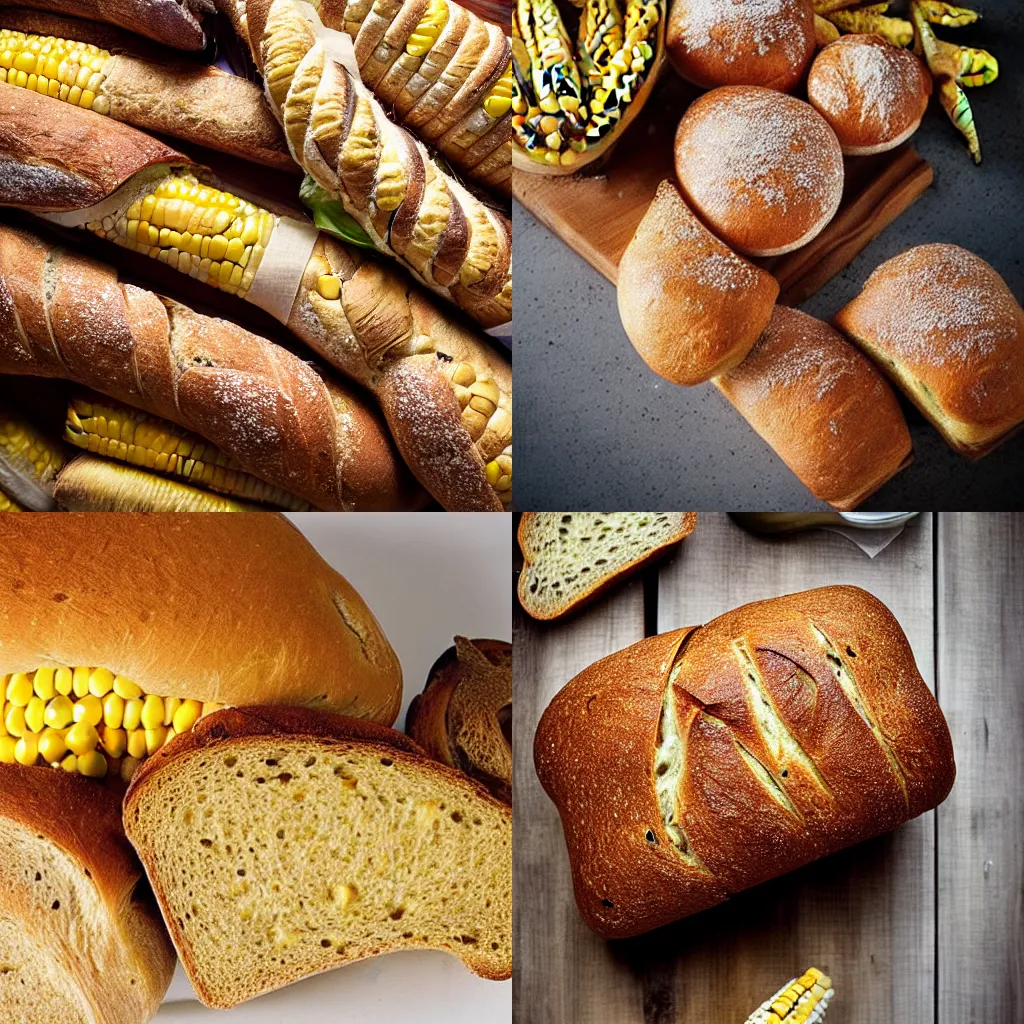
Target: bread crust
691, 307
530, 553
228, 609
171, 22
83, 819
822, 406
846, 782
944, 326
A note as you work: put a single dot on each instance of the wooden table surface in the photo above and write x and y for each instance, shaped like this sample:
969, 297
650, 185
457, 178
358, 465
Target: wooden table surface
922, 926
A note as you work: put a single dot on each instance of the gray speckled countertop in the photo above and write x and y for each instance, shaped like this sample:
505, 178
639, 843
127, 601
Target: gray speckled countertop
598, 429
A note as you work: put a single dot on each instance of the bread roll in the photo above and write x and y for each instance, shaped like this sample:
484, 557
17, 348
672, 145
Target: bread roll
946, 328
763, 170
741, 42
872, 93
823, 407
690, 306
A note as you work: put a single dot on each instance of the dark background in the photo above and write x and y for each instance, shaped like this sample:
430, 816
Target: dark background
598, 429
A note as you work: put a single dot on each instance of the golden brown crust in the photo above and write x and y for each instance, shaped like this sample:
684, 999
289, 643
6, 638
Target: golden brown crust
841, 773
171, 22
822, 405
690, 306
943, 325
872, 94
83, 820
258, 618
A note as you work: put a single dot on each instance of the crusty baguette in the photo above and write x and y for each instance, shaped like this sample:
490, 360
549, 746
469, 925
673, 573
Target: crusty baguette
230, 610
463, 717
823, 406
446, 393
314, 840
171, 22
81, 937
202, 105
62, 315
696, 764
412, 210
571, 558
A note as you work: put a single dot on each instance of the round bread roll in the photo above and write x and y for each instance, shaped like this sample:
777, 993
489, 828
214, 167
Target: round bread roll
691, 307
741, 42
872, 93
946, 328
824, 408
763, 170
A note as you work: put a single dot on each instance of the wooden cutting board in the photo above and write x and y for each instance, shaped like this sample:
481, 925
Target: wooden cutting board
596, 214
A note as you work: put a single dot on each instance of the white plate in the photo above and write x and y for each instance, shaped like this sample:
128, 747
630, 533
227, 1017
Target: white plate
426, 578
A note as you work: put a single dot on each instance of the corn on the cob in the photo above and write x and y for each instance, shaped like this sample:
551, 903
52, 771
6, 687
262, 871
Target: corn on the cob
208, 234
28, 464
803, 1001
53, 716
128, 435
61, 68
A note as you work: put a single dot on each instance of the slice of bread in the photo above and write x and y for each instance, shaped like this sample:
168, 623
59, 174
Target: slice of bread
81, 941
572, 557
464, 715
282, 842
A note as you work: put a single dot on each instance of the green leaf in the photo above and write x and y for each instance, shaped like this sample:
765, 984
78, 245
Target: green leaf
329, 215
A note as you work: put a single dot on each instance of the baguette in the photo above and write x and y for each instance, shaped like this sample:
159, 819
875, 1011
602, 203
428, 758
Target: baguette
312, 841
411, 209
463, 717
571, 558
81, 936
202, 105
446, 394
62, 315
170, 22
435, 66
696, 764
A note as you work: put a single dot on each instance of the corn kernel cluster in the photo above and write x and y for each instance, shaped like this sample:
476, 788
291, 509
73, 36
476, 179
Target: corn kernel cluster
21, 442
499, 100
478, 399
128, 435
87, 720
210, 235
425, 34
61, 68
9, 504
803, 1001
499, 475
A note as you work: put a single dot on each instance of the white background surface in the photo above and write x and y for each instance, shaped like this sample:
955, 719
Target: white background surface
426, 578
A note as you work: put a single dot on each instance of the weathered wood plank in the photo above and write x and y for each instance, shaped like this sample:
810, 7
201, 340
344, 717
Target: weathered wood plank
981, 826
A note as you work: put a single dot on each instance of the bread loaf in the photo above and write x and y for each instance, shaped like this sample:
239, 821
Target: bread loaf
82, 939
314, 840
701, 762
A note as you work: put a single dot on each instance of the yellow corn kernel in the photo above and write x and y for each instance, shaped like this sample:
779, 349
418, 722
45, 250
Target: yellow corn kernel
89, 709
425, 34
171, 705
132, 714
155, 738
19, 690
92, 764
101, 681
3, 715
113, 710
328, 286
113, 741
52, 747
34, 714
126, 688
81, 738
14, 720
70, 763
137, 743
26, 750
59, 712
499, 100
152, 712
80, 681
7, 747
209, 708
128, 767
62, 681
43, 683
187, 715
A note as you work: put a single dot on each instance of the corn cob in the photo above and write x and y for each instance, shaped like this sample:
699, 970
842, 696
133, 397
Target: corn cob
87, 719
8, 505
28, 465
803, 1001
128, 435
61, 68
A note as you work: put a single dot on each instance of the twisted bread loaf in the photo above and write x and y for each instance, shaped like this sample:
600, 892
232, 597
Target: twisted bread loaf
701, 762
438, 68
411, 209
65, 316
